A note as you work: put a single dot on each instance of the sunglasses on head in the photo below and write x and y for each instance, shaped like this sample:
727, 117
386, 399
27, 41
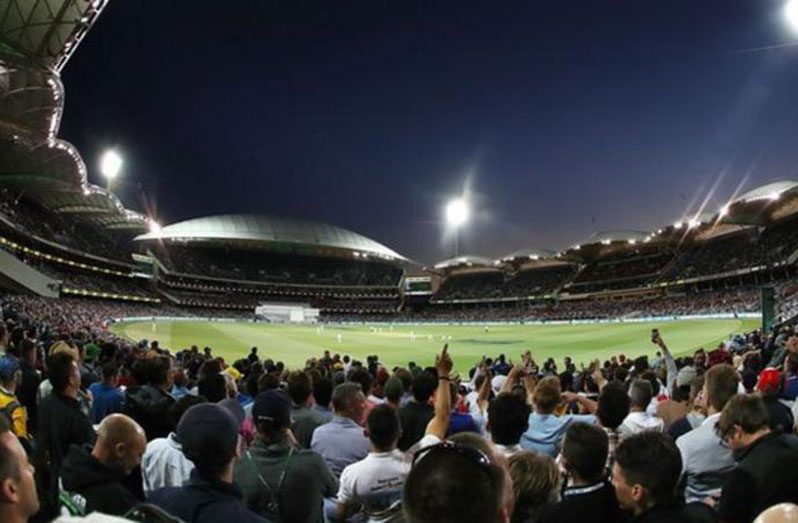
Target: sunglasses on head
448, 447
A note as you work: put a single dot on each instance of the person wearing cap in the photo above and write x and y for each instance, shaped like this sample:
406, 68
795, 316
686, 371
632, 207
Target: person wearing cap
10, 407
279, 482
706, 462
209, 437
770, 386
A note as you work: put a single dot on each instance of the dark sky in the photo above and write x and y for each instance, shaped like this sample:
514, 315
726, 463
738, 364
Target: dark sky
567, 117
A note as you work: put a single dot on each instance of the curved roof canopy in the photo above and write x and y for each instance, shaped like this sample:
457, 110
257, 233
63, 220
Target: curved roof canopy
608, 237
262, 228
470, 261
529, 254
769, 191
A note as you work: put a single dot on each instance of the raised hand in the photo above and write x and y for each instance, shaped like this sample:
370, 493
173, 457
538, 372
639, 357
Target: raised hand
443, 362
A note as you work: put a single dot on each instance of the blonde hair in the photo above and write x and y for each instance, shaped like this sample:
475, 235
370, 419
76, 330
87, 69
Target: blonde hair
536, 483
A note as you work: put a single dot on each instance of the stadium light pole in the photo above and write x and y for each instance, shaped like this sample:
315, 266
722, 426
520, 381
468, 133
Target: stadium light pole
110, 166
456, 216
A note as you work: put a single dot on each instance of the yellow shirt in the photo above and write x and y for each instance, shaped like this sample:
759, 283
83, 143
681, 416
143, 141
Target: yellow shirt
19, 416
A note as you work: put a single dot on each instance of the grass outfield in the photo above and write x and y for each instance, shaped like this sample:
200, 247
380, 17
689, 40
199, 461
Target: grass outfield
293, 344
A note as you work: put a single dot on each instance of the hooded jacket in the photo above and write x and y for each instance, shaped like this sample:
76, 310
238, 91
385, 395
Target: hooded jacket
92, 486
149, 406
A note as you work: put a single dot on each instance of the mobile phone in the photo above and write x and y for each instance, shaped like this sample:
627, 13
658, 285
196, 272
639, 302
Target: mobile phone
654, 334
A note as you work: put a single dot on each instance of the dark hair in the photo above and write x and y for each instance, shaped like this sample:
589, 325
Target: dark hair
213, 387
613, 405
448, 485
361, 376
508, 415
383, 425
585, 448
640, 393
268, 381
59, 365
748, 411
423, 386
721, 384
651, 377
652, 460
180, 406
110, 369
299, 387
322, 391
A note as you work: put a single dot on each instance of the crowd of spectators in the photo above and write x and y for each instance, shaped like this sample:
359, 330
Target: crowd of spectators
494, 284
135, 430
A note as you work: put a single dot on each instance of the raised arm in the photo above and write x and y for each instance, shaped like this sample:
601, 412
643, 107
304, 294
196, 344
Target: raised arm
439, 424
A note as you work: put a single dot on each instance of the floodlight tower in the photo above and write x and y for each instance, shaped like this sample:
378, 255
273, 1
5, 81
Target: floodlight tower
456, 216
110, 166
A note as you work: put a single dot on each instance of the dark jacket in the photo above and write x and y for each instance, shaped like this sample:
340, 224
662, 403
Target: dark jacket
204, 501
677, 513
597, 500
766, 475
150, 406
93, 486
413, 418
61, 425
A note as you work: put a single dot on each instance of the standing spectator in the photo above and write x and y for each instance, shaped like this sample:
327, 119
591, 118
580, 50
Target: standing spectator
209, 435
536, 485
149, 403
645, 474
107, 398
374, 485
92, 479
18, 499
341, 442
766, 472
30, 383
508, 419
279, 482
706, 462
304, 419
584, 457
639, 420
416, 414
10, 407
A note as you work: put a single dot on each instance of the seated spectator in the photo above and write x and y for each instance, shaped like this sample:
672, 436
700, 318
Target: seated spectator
279, 482
394, 391
767, 461
29, 386
639, 420
790, 389
454, 483
10, 407
304, 420
584, 457
163, 463
18, 497
209, 435
149, 403
546, 430
508, 419
613, 407
536, 485
374, 485
706, 462
416, 414
678, 405
322, 394
106, 396
341, 442
92, 478
770, 386
695, 416
645, 475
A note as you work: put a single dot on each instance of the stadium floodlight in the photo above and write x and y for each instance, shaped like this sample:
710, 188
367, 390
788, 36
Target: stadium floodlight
457, 212
155, 227
791, 14
724, 211
693, 223
677, 225
110, 164
773, 196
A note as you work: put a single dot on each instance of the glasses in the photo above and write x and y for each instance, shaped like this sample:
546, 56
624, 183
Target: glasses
447, 447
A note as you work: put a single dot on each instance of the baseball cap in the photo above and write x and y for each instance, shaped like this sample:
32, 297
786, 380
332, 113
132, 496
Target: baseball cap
207, 433
9, 365
768, 380
274, 406
686, 376
498, 382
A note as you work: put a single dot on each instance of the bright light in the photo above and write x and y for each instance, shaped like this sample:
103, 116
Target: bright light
457, 212
632, 241
693, 223
774, 195
155, 227
110, 164
723, 211
677, 225
791, 13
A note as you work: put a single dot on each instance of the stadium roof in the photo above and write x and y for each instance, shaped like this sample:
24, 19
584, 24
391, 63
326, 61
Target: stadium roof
607, 237
769, 191
469, 261
530, 254
270, 229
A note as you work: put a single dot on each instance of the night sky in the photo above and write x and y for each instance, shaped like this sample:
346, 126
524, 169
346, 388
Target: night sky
565, 117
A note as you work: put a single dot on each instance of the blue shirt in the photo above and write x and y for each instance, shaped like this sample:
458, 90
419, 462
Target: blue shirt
340, 442
546, 431
327, 413
106, 400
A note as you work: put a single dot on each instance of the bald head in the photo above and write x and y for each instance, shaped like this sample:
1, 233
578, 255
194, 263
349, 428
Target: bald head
781, 513
120, 442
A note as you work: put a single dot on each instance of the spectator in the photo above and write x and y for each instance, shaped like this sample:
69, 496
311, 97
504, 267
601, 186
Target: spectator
304, 420
706, 462
30, 383
209, 435
18, 499
536, 485
341, 442
374, 485
584, 457
696, 416
767, 461
546, 430
91, 479
149, 403
613, 407
508, 419
164, 464
417, 413
394, 391
322, 394
639, 420
10, 378
770, 386
279, 482
645, 474
781, 513
107, 398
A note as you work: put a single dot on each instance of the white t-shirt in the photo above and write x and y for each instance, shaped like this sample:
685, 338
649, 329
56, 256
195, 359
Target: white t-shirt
375, 483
